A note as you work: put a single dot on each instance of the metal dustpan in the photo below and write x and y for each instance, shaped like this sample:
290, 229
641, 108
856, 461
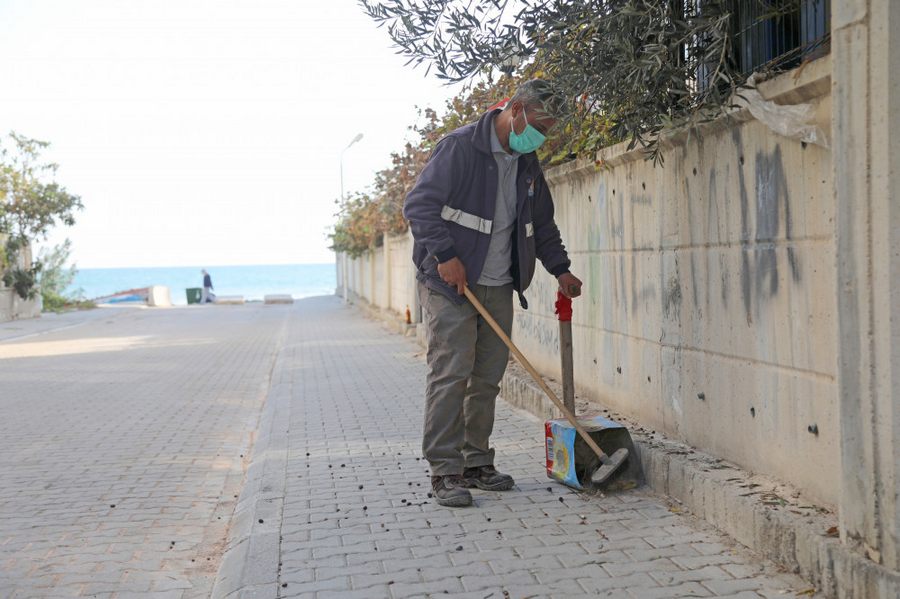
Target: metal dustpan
571, 462
569, 458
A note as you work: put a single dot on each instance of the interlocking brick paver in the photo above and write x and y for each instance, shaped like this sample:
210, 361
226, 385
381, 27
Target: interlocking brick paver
681, 591
357, 492
396, 575
727, 587
624, 569
690, 561
675, 577
123, 432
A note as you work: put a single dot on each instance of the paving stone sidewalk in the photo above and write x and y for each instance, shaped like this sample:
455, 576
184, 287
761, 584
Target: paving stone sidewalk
354, 516
124, 436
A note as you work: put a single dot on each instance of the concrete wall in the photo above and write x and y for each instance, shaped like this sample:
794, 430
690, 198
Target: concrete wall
402, 273
12, 307
384, 277
709, 311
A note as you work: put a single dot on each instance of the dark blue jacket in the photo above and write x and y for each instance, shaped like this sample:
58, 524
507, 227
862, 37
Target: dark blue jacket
451, 208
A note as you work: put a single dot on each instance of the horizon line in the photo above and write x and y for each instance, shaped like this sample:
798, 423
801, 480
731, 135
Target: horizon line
200, 266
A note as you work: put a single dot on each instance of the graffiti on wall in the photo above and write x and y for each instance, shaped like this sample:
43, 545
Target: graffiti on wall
766, 232
772, 206
533, 323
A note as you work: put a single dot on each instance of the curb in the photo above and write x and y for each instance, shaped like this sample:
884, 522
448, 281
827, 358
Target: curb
783, 529
250, 564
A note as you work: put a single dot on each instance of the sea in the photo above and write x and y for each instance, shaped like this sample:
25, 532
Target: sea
252, 282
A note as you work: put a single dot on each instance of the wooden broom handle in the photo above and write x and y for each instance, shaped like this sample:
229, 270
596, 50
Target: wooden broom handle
534, 374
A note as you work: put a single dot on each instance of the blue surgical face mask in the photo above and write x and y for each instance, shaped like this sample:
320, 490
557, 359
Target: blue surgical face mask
528, 140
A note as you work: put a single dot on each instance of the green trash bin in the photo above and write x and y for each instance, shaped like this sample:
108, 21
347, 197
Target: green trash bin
193, 295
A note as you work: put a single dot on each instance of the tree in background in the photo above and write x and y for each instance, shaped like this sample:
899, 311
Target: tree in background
31, 204
638, 66
56, 277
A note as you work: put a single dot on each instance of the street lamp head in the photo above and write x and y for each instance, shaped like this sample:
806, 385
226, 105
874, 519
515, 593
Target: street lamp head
358, 137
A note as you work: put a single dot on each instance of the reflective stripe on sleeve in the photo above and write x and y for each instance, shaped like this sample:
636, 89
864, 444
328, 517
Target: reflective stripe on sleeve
470, 221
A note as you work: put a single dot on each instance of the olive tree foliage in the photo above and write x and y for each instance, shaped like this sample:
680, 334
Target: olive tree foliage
31, 204
643, 65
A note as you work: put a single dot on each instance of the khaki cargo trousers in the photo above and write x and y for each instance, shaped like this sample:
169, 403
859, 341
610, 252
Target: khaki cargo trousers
466, 361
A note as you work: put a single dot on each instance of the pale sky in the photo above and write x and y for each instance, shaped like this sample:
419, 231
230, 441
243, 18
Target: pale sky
205, 132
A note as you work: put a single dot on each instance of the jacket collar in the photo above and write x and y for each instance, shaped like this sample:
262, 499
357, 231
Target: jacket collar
481, 139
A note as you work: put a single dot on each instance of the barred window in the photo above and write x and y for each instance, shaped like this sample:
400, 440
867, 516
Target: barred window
778, 35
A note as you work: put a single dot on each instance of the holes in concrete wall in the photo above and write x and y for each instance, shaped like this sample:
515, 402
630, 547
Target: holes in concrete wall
753, 412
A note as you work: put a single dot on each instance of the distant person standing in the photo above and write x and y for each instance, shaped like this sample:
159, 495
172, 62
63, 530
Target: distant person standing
207, 296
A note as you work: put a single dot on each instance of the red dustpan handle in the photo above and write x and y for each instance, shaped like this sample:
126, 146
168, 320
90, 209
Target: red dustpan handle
563, 307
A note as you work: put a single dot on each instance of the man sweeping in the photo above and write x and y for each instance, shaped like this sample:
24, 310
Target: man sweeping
480, 213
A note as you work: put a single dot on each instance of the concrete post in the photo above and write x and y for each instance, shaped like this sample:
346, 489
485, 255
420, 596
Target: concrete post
371, 257
387, 272
340, 273
415, 308
866, 126
345, 278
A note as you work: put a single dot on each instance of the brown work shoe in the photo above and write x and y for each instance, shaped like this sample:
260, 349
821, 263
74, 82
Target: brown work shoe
451, 491
487, 478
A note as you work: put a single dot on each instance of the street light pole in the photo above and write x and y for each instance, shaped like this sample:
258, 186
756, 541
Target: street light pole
345, 279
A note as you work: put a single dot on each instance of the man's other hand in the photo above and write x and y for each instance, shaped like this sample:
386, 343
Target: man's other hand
454, 273
570, 285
